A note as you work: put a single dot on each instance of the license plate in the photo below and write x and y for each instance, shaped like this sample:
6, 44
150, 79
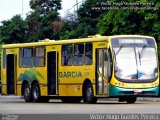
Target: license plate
137, 91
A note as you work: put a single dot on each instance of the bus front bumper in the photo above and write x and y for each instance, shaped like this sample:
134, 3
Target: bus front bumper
115, 91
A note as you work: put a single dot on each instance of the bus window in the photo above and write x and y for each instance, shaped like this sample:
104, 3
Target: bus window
39, 59
4, 58
20, 57
137, 53
27, 57
67, 55
107, 64
88, 54
78, 54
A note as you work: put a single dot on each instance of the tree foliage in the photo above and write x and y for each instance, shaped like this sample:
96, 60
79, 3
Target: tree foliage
84, 25
90, 21
13, 31
43, 7
145, 22
41, 18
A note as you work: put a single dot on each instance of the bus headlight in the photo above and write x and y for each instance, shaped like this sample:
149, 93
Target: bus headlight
154, 84
119, 84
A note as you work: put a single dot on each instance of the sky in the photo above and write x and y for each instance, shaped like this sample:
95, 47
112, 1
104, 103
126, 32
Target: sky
10, 8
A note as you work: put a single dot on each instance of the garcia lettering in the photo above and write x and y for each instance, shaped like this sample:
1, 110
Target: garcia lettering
72, 74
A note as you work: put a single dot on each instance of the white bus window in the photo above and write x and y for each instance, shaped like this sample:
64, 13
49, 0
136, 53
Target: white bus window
27, 57
39, 59
20, 57
67, 55
79, 54
4, 58
88, 54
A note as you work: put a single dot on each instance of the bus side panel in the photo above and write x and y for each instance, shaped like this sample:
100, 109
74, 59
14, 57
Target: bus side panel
44, 90
74, 90
4, 89
63, 90
19, 93
3, 72
70, 90
30, 75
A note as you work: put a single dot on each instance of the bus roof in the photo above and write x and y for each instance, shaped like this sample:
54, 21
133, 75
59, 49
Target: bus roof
53, 42
141, 36
44, 42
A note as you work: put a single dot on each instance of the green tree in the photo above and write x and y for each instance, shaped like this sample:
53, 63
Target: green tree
43, 7
85, 24
66, 31
13, 31
88, 17
145, 22
40, 19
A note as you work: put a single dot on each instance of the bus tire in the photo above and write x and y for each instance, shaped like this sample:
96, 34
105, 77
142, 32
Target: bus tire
88, 96
36, 93
27, 93
131, 100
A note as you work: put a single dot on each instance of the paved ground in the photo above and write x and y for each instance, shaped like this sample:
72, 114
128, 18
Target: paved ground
15, 108
15, 105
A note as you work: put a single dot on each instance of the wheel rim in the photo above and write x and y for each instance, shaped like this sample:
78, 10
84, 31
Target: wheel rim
27, 93
89, 94
35, 93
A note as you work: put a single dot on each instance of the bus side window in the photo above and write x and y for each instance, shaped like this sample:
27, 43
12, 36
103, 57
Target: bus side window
108, 59
39, 59
28, 57
20, 57
88, 54
78, 54
4, 58
67, 55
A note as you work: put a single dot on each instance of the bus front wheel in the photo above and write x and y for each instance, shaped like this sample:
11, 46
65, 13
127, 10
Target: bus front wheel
27, 93
88, 96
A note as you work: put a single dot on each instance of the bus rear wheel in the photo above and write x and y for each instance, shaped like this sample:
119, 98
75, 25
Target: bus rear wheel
36, 94
27, 93
88, 96
131, 100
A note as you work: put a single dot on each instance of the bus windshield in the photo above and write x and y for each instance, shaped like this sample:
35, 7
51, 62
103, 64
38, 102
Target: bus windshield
135, 58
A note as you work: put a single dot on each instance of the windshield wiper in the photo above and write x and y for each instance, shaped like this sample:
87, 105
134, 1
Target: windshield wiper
120, 48
142, 51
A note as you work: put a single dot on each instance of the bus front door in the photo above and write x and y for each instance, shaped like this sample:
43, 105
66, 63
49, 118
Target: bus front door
10, 73
101, 72
52, 70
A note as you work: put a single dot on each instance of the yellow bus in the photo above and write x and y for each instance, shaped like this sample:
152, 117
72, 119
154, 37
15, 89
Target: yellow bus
120, 66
